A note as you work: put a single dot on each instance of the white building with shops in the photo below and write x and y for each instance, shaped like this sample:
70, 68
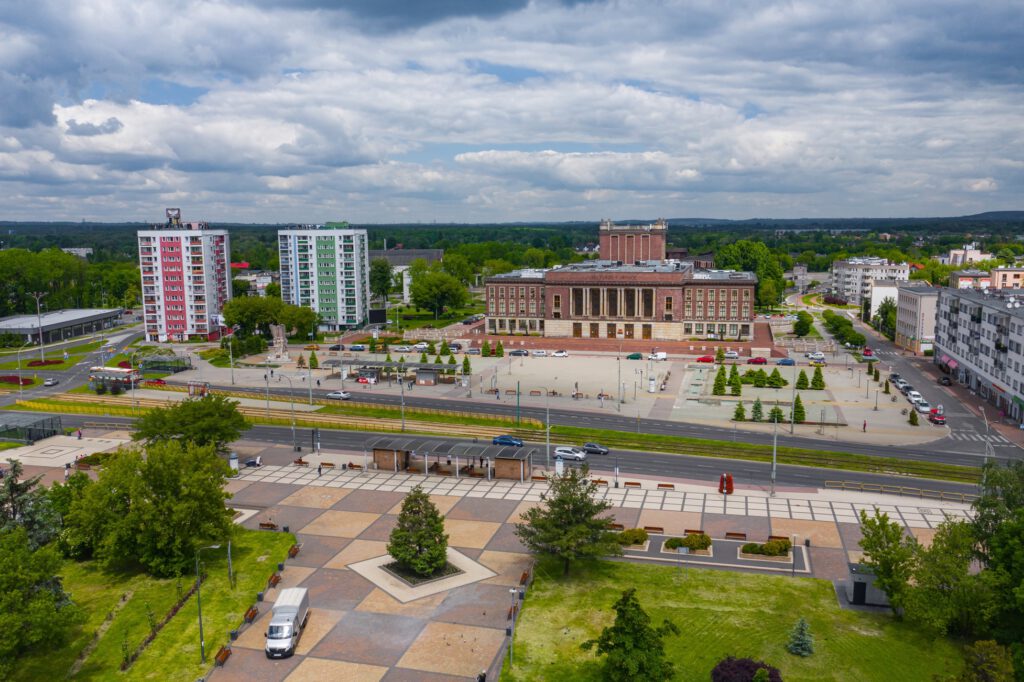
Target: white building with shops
852, 278
915, 317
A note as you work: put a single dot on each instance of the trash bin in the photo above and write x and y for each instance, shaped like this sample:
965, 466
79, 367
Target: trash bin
259, 596
807, 542
284, 529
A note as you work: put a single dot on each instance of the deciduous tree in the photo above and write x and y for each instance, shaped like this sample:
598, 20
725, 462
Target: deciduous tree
25, 504
889, 553
381, 278
213, 420
436, 291
632, 647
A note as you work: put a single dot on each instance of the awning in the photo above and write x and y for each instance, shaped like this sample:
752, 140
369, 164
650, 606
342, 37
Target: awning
952, 364
1018, 400
945, 359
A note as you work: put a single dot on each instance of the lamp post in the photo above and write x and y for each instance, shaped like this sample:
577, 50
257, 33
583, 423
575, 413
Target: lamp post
19, 364
309, 375
792, 412
792, 544
547, 425
39, 295
231, 354
622, 398
291, 396
401, 386
132, 382
512, 628
775, 447
266, 378
199, 602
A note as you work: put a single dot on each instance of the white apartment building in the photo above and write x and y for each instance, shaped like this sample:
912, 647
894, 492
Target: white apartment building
1006, 278
185, 269
328, 270
915, 317
852, 278
970, 253
979, 341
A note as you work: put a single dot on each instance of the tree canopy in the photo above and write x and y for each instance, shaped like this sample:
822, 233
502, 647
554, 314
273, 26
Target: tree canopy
418, 541
24, 504
213, 420
436, 291
381, 277
632, 647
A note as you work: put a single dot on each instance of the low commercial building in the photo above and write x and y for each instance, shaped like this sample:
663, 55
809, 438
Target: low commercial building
970, 253
970, 279
61, 324
979, 342
915, 317
852, 278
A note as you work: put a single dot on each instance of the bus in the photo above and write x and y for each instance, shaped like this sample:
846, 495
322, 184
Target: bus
110, 376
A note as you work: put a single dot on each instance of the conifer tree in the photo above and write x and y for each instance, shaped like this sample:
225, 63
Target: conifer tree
757, 411
719, 387
313, 362
499, 350
799, 414
801, 641
802, 384
418, 542
735, 385
740, 414
720, 355
818, 381
776, 414
632, 648
485, 349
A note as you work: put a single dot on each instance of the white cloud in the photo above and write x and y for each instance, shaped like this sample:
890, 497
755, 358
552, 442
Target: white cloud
982, 185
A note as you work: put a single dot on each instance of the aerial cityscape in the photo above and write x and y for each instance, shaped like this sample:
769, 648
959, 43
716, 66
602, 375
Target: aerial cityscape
529, 340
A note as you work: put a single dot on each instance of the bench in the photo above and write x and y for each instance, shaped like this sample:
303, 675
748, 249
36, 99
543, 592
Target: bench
300, 462
355, 466
251, 614
778, 537
692, 531
274, 579
666, 486
538, 478
658, 530
293, 551
524, 578
510, 391
535, 393
268, 525
600, 481
617, 526
735, 536
223, 655
512, 610
631, 484
327, 465
82, 466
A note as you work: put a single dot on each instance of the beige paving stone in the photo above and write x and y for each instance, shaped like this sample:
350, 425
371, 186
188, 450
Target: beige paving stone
291, 576
674, 522
821, 533
452, 649
236, 484
252, 636
340, 524
319, 624
855, 555
323, 670
521, 509
380, 601
315, 497
924, 535
356, 551
508, 565
472, 534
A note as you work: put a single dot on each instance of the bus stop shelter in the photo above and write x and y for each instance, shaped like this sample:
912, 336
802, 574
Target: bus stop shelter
429, 456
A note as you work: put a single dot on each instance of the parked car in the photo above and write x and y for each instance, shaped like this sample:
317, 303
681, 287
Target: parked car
288, 619
937, 419
757, 361
706, 358
455, 347
472, 351
900, 383
357, 347
867, 353
402, 349
945, 381
818, 363
337, 346
539, 353
50, 382
469, 320
570, 453
339, 395
560, 354
519, 353
155, 382
594, 449
312, 346
658, 355
894, 377
732, 355
785, 362
914, 396
507, 440
421, 346
817, 355
635, 356
923, 406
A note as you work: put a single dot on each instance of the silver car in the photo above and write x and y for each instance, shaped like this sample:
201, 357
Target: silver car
570, 453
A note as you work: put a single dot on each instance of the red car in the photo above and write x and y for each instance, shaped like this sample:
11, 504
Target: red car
757, 361
867, 353
155, 382
706, 358
939, 419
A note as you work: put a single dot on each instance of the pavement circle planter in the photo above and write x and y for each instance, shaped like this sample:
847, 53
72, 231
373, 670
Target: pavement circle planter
742, 556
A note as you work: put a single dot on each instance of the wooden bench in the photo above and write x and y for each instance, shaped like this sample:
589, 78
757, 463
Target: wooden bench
617, 526
251, 614
223, 655
327, 465
355, 466
666, 486
300, 462
274, 579
692, 531
631, 484
535, 393
778, 537
82, 466
600, 481
735, 536
655, 529
293, 551
512, 611
524, 578
538, 478
510, 391
268, 525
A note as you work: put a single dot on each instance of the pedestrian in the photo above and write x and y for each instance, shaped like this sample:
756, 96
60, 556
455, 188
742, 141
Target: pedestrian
319, 470
67, 472
271, 374
865, 426
79, 434
318, 383
264, 376
497, 394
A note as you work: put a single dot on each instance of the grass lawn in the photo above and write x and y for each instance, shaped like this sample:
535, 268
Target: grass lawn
174, 654
718, 613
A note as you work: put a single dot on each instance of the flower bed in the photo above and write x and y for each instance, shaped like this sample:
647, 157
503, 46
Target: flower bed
44, 363
11, 379
773, 550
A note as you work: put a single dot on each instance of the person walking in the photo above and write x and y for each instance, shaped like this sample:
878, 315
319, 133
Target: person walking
865, 428
319, 470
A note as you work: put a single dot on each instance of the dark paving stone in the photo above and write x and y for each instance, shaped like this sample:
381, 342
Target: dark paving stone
850, 534
378, 501
341, 590
478, 604
473, 554
628, 517
407, 675
246, 665
717, 525
505, 540
481, 509
380, 529
830, 564
317, 550
293, 517
261, 494
372, 638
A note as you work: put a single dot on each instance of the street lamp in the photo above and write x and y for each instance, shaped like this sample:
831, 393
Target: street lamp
266, 378
132, 382
291, 396
19, 364
512, 628
775, 447
199, 603
547, 423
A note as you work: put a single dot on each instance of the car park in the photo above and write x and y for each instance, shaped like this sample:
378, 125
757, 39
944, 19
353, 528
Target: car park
937, 419
732, 355
923, 406
757, 361
357, 347
785, 362
519, 353
337, 346
945, 381
635, 356
539, 353
507, 440
594, 449
706, 358
560, 354
570, 453
50, 382
472, 351
339, 395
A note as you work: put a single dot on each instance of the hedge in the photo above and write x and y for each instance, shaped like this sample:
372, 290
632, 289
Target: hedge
632, 536
770, 548
692, 542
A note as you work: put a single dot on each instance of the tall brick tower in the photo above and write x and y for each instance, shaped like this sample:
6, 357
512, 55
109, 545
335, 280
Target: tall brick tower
631, 243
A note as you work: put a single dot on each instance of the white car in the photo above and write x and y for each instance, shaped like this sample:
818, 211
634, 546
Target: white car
914, 396
923, 406
421, 346
732, 355
539, 353
50, 382
560, 354
402, 349
570, 453
339, 395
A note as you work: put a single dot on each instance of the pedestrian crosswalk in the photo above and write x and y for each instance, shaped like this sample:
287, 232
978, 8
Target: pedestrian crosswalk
978, 437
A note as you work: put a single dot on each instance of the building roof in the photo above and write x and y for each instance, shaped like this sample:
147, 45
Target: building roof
970, 273
60, 318
530, 273
685, 269
432, 447
1007, 301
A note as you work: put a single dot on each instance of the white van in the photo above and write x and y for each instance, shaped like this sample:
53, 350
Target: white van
287, 621
660, 355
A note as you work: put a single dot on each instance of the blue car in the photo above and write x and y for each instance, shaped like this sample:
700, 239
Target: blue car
507, 440
787, 362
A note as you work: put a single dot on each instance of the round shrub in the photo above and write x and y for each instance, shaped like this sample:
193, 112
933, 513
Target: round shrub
752, 548
732, 669
633, 536
697, 541
777, 547
673, 543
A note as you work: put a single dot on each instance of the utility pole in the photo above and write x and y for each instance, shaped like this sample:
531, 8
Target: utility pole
39, 295
775, 447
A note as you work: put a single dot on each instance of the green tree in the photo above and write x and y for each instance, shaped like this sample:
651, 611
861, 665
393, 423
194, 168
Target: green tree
423, 358
437, 291
775, 379
720, 355
253, 312
25, 504
760, 378
799, 414
467, 368
313, 362
300, 362
733, 372
877, 375
776, 415
720, 381
568, 524
632, 648
485, 349
889, 553
887, 390
381, 278
273, 290
431, 348
998, 527
913, 420
885, 318
818, 380
239, 287
801, 641
767, 293
452, 363
801, 381
437, 360
373, 345
418, 541
739, 414
987, 661
298, 320
735, 385
213, 420
445, 349
35, 612
757, 411
154, 511
804, 323
761, 675
458, 266
499, 350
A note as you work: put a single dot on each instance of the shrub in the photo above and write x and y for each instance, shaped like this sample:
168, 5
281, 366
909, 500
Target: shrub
770, 548
757, 411
116, 388
101, 388
776, 414
732, 669
801, 641
696, 541
739, 414
632, 536
913, 417
43, 363
801, 381
818, 381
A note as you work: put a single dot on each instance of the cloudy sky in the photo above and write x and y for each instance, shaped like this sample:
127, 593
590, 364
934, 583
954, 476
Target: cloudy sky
379, 111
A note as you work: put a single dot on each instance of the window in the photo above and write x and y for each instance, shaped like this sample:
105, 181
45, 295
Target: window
668, 304
700, 294
577, 330
556, 301
645, 331
647, 296
687, 328
595, 302
711, 294
698, 328
577, 302
735, 294
610, 330
595, 330
630, 296
612, 297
